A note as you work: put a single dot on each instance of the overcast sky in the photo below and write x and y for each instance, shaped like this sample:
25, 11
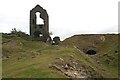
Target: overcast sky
66, 17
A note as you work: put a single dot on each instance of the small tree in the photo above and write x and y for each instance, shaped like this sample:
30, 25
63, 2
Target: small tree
14, 31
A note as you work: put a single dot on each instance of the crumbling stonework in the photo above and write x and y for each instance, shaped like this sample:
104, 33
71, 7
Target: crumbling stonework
39, 31
56, 40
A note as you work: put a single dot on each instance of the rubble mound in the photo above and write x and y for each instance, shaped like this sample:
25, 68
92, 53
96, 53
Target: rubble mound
73, 68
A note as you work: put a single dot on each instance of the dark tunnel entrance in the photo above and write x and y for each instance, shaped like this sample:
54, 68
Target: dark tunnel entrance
90, 50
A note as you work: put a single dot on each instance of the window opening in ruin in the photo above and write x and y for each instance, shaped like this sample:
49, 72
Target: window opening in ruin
40, 35
37, 34
38, 19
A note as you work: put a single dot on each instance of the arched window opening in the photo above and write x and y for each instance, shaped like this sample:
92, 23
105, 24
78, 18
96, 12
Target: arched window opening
39, 20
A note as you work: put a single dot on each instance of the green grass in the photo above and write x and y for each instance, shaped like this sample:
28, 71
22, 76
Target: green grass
20, 64
108, 47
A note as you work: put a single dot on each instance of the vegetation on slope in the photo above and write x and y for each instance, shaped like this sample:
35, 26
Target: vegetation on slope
106, 58
35, 59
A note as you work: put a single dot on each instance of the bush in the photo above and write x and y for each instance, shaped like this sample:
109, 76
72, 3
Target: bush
16, 33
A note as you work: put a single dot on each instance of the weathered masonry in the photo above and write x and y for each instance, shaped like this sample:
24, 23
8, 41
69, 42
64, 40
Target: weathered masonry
39, 30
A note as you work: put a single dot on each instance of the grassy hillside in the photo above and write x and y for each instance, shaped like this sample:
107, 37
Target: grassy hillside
35, 59
107, 50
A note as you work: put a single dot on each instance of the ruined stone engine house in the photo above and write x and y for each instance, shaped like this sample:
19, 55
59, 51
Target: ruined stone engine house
39, 31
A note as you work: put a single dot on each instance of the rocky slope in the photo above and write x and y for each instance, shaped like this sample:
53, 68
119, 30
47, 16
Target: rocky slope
35, 59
